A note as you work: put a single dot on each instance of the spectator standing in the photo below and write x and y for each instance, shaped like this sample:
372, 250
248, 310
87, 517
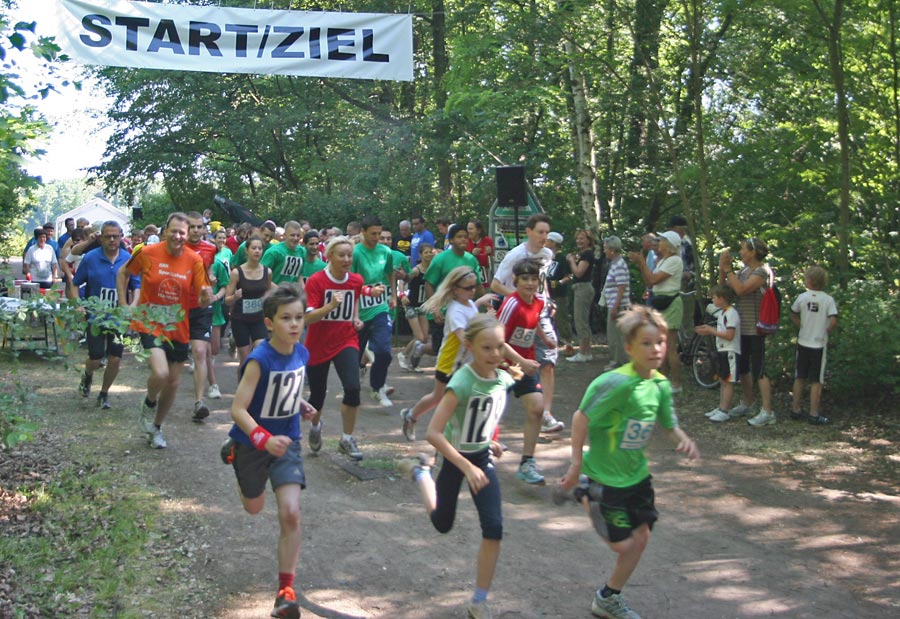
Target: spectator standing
617, 294
815, 313
482, 247
442, 240
728, 348
40, 264
581, 266
557, 284
403, 242
420, 235
665, 285
69, 224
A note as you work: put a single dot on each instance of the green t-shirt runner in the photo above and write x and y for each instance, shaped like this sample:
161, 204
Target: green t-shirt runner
622, 408
240, 257
375, 265
401, 263
480, 404
286, 263
225, 256
222, 274
445, 262
310, 268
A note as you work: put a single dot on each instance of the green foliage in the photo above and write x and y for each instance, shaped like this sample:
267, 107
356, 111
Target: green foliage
19, 413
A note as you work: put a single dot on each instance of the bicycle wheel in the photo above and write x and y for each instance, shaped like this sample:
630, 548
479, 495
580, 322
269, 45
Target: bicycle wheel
703, 361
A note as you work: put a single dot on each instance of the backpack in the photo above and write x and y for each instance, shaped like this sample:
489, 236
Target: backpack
769, 310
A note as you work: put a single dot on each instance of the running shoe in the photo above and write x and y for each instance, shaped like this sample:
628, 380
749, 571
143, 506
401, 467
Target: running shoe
528, 472
103, 402
479, 610
798, 415
381, 396
718, 416
410, 467
402, 361
286, 606
763, 418
315, 438
549, 423
148, 417
349, 448
226, 452
409, 424
213, 392
416, 355
201, 411
191, 364
817, 420
739, 410
613, 607
579, 358
84, 387
157, 440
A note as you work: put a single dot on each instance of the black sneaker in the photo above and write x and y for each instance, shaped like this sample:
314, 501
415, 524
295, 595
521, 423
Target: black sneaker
103, 402
201, 411
227, 451
817, 420
84, 387
798, 416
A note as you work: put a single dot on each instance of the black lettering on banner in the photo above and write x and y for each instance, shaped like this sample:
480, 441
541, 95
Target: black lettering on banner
335, 42
344, 311
92, 23
369, 54
292, 267
131, 30
315, 43
196, 38
166, 36
293, 35
240, 37
283, 394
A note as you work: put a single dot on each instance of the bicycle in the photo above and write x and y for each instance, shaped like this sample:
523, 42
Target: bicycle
699, 351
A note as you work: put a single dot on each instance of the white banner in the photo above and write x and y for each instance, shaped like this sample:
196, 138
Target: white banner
223, 40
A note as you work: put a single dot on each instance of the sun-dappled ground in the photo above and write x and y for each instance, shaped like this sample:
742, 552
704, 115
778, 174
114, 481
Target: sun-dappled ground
788, 521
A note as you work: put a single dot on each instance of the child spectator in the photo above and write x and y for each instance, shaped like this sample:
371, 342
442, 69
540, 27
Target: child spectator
618, 413
816, 314
728, 346
264, 442
462, 431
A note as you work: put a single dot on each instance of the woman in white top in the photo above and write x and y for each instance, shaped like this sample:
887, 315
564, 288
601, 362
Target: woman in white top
665, 280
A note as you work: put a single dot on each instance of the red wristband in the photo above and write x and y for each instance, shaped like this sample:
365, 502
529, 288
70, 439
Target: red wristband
367, 291
259, 437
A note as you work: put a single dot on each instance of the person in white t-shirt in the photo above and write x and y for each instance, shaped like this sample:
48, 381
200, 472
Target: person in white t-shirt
40, 264
728, 346
815, 312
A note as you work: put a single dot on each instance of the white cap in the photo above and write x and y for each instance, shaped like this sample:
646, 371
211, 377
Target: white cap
556, 237
672, 237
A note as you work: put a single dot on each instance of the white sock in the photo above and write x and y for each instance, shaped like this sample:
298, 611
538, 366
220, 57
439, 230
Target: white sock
346, 437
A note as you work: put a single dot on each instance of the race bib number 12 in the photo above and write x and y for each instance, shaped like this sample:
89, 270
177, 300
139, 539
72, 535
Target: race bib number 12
283, 394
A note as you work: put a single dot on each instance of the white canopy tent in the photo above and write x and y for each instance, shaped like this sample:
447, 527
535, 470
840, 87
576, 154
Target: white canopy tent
94, 210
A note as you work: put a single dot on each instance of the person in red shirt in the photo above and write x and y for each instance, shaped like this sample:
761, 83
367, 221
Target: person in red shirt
240, 235
169, 272
200, 316
482, 247
332, 316
520, 316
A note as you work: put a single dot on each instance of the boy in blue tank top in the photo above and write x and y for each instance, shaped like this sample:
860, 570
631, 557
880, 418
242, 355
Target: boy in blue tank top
264, 442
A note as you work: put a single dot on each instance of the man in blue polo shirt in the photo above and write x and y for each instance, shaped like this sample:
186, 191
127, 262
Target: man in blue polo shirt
97, 272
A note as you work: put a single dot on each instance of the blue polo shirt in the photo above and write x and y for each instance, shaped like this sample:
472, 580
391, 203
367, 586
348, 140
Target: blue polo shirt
98, 274
419, 237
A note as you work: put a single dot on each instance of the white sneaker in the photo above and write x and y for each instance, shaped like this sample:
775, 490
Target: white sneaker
718, 416
213, 392
579, 358
763, 418
148, 418
157, 440
739, 410
549, 423
479, 610
191, 364
381, 396
402, 361
613, 607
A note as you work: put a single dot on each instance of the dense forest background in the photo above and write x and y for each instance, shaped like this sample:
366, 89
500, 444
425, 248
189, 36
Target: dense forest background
779, 119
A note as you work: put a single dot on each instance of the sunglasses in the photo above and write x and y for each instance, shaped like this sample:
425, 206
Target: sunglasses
472, 287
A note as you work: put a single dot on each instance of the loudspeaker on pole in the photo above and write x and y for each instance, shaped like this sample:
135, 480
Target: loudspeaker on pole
511, 186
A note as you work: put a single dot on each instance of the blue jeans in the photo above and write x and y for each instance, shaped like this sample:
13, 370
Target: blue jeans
377, 334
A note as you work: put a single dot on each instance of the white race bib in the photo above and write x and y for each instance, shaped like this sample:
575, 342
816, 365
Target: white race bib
110, 297
636, 434
251, 306
283, 394
522, 337
344, 311
370, 302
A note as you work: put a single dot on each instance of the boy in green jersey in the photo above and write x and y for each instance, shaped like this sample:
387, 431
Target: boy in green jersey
618, 412
285, 259
455, 256
312, 263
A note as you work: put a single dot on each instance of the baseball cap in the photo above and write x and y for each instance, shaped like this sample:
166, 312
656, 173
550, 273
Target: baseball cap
556, 237
671, 236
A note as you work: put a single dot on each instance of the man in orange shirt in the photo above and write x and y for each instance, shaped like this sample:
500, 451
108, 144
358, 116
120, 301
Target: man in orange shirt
169, 272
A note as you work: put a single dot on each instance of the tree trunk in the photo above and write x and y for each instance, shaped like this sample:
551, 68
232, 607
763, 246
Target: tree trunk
441, 61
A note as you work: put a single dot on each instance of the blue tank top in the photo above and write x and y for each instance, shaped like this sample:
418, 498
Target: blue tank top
276, 402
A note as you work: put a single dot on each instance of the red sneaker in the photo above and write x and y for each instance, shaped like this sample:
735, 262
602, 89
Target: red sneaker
286, 606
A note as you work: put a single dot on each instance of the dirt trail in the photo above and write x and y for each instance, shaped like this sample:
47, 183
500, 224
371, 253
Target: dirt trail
734, 539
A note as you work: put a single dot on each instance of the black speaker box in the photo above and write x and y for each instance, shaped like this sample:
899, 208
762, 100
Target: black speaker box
137, 213
511, 186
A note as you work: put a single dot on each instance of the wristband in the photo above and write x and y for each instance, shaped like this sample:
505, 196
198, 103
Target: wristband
367, 291
259, 437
